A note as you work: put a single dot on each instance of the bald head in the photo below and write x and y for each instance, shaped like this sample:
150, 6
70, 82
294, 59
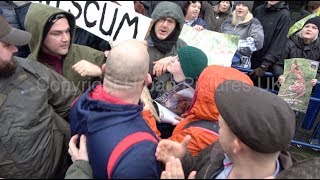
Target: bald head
127, 65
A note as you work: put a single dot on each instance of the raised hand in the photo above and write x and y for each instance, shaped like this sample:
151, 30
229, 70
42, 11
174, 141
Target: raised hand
167, 148
198, 27
160, 66
174, 170
86, 68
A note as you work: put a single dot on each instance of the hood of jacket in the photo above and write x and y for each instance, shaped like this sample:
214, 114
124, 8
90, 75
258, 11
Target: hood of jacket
277, 7
204, 106
35, 22
168, 9
95, 115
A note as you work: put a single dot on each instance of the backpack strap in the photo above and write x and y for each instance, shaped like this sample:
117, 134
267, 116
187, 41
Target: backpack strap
125, 144
209, 125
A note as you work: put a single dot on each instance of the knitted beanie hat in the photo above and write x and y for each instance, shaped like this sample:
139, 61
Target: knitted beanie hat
315, 21
192, 61
249, 4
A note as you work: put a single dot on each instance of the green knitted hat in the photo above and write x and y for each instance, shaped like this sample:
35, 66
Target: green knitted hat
192, 60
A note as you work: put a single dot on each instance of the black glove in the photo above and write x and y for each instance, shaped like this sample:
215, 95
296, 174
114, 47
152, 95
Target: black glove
258, 71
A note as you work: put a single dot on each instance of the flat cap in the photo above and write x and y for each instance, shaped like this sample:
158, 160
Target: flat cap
260, 119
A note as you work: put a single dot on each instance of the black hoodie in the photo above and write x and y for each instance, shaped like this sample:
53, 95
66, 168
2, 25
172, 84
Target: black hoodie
276, 22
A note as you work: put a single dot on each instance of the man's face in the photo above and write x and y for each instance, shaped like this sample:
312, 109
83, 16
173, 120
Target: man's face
164, 27
7, 66
226, 136
57, 41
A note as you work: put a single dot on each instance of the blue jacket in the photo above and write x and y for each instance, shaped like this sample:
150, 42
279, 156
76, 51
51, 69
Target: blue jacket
105, 125
199, 21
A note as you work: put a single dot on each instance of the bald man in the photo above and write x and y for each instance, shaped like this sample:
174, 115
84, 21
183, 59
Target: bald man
110, 114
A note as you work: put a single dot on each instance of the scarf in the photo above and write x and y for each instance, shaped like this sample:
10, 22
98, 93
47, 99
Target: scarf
165, 45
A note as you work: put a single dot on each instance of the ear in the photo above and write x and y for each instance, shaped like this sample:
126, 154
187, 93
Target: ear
103, 69
147, 80
237, 145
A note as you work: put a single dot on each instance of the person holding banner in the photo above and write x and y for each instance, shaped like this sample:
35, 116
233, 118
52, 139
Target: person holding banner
184, 68
243, 24
163, 44
303, 44
52, 32
200, 121
191, 11
253, 140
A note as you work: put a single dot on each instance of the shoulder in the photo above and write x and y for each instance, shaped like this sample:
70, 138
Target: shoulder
255, 21
84, 49
30, 65
84, 52
180, 43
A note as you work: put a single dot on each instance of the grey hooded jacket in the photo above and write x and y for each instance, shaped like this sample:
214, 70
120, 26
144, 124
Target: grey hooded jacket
172, 10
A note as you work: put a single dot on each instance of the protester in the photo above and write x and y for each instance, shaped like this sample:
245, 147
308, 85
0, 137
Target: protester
274, 17
200, 121
184, 68
249, 29
251, 145
163, 44
191, 11
34, 108
303, 44
52, 32
216, 15
107, 114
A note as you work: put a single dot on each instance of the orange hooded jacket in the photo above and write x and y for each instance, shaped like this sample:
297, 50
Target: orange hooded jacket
204, 107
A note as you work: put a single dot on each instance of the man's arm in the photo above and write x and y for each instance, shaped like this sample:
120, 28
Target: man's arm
195, 163
80, 167
61, 93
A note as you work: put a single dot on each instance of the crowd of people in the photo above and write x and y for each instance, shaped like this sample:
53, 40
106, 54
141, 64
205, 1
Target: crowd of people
73, 106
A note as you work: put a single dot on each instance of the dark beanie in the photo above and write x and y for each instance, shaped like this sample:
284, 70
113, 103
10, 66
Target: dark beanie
260, 119
229, 1
192, 61
53, 19
315, 21
249, 4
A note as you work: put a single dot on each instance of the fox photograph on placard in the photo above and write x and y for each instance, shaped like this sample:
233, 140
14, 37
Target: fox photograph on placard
175, 102
296, 89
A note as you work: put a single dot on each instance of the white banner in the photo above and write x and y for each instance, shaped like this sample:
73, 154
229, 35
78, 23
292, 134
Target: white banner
219, 47
106, 19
